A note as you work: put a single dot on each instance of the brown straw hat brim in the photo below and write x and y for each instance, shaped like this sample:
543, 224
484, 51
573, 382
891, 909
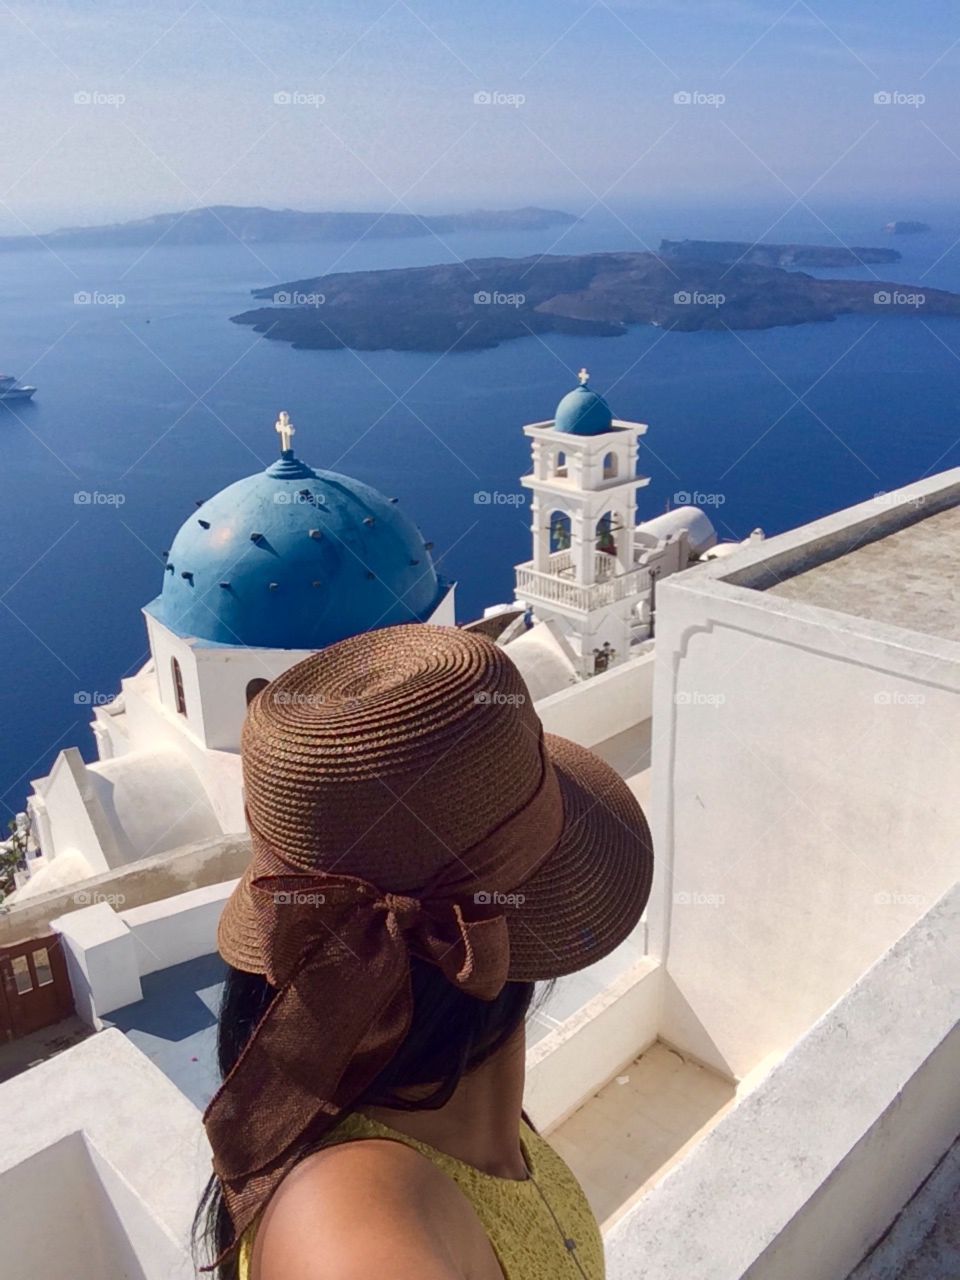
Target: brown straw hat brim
578, 906
590, 892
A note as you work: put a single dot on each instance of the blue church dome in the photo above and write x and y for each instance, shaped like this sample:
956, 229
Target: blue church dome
294, 558
583, 412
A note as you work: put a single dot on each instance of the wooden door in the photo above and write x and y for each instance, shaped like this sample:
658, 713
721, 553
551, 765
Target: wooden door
35, 987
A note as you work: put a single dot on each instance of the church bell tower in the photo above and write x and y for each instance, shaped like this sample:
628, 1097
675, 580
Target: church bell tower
583, 487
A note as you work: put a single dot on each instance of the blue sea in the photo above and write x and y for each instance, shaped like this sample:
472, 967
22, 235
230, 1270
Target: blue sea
149, 400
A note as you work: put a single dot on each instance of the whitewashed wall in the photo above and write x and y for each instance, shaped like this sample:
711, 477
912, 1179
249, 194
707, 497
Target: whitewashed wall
104, 1180
174, 930
803, 810
70, 813
603, 706
809, 1168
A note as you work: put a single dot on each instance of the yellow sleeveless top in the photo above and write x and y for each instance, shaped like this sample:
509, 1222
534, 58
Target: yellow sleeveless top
540, 1229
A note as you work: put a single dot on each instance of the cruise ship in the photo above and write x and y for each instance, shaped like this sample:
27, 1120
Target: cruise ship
10, 389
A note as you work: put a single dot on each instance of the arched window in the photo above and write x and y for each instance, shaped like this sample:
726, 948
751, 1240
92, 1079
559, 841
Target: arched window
178, 694
559, 531
610, 466
560, 468
254, 687
605, 539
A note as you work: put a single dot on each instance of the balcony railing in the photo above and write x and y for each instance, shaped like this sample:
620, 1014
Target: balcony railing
557, 586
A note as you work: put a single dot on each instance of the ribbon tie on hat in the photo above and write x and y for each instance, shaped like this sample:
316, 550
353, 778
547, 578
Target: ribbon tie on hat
337, 949
339, 957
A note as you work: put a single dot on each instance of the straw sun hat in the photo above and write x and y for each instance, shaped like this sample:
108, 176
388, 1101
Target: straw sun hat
402, 799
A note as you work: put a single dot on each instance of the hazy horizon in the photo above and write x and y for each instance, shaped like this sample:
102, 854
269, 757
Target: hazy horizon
580, 105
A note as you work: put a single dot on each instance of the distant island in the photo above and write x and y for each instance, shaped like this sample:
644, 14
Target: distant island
906, 228
486, 301
222, 224
773, 255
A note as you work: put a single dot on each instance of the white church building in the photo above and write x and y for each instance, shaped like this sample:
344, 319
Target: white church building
288, 561
267, 571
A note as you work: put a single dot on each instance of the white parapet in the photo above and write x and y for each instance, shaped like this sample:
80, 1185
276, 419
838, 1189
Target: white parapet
805, 1173
101, 961
101, 1167
108, 951
804, 745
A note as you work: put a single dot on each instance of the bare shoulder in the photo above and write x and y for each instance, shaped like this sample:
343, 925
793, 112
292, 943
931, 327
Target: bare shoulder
366, 1208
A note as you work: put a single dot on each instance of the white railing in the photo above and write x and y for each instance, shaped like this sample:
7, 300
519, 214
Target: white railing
555, 589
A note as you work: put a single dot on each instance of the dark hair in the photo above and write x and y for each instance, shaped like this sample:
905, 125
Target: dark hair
451, 1034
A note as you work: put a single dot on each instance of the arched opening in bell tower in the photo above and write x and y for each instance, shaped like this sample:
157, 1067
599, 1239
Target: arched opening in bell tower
559, 525
606, 541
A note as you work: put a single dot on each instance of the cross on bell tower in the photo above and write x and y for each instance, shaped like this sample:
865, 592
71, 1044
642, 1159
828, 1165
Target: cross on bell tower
584, 573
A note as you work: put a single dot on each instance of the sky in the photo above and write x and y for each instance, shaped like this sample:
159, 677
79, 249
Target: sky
113, 111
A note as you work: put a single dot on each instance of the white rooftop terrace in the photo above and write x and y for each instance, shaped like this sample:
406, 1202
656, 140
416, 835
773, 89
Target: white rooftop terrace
909, 577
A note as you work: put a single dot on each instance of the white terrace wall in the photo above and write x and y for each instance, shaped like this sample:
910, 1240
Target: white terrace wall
108, 952
177, 929
805, 802
801, 1178
73, 814
602, 706
146, 880
101, 1167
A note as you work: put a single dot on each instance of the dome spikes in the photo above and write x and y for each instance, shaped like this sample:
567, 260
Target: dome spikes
307, 526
